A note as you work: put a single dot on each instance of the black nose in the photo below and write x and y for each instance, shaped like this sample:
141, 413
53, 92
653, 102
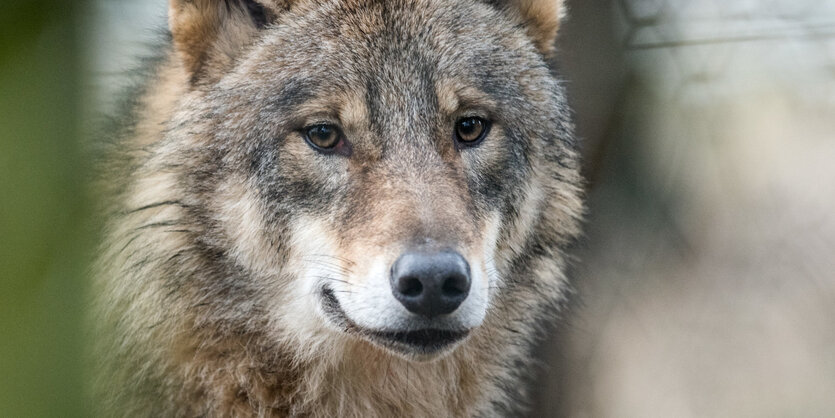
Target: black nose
431, 284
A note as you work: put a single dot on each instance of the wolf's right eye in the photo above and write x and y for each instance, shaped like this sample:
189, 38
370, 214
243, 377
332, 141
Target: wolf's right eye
323, 137
470, 131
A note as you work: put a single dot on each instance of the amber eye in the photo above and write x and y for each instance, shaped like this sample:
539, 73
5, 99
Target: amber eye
323, 137
471, 130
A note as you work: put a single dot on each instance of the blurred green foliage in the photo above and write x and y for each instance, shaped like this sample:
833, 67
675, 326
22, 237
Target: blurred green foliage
44, 228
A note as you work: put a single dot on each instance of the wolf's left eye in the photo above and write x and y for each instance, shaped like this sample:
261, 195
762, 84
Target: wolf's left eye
472, 130
323, 137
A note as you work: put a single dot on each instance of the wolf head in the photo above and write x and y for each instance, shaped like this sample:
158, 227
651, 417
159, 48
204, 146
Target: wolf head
360, 171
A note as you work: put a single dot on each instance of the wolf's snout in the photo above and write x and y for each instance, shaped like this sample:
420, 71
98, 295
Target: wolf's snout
431, 284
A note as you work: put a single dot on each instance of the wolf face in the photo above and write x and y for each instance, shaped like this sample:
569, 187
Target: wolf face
389, 174
367, 159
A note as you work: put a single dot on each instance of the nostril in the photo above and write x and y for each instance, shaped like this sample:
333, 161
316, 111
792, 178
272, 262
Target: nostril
454, 286
410, 286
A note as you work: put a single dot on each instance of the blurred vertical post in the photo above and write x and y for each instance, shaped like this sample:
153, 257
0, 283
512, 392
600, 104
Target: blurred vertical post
43, 222
706, 283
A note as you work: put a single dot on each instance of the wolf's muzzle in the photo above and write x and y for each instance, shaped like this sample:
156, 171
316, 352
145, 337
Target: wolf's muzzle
431, 284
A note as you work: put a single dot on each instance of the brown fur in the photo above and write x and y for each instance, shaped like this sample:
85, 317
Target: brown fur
542, 20
224, 210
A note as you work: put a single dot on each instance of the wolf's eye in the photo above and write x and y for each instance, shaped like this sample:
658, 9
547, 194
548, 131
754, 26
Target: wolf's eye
470, 131
323, 137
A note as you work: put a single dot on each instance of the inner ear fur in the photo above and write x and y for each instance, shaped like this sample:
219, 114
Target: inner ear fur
541, 18
208, 34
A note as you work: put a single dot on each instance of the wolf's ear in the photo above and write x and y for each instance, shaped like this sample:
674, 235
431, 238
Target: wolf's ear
541, 19
208, 34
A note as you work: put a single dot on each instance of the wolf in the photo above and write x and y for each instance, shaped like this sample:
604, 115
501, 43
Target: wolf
353, 208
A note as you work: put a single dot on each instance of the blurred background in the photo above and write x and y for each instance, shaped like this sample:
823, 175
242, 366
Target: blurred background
705, 284
43, 208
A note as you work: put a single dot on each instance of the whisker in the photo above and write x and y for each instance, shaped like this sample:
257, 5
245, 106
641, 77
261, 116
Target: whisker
333, 279
321, 263
332, 268
342, 259
159, 224
156, 205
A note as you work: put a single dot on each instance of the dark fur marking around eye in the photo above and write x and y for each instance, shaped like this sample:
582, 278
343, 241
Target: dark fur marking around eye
493, 187
256, 11
293, 93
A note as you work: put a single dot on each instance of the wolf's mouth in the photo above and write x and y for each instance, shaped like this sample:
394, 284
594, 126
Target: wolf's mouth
411, 342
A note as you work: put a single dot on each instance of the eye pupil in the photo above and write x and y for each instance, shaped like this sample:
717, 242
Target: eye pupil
471, 130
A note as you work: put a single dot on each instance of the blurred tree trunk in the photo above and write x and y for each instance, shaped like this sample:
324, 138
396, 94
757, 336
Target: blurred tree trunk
42, 210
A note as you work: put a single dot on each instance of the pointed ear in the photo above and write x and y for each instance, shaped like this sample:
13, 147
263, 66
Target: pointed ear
208, 34
541, 19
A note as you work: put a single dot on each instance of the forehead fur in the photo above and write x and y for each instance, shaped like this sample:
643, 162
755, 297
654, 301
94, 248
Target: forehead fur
373, 45
210, 35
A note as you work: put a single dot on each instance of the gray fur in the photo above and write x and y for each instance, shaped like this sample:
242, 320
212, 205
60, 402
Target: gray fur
201, 263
